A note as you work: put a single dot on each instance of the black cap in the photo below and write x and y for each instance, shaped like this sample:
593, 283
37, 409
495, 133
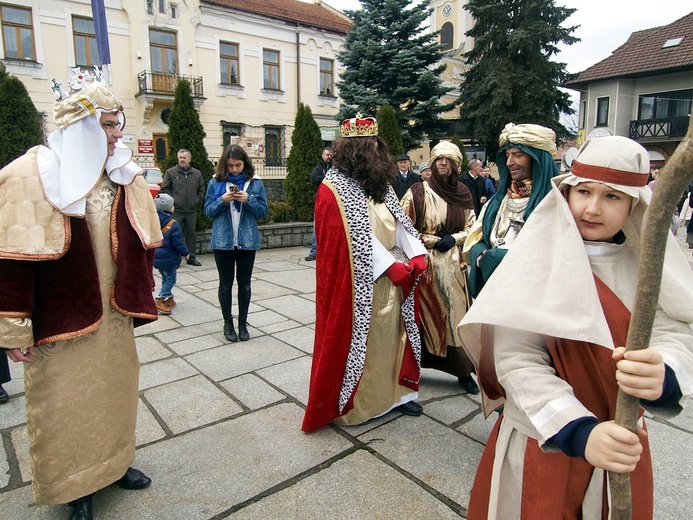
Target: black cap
403, 157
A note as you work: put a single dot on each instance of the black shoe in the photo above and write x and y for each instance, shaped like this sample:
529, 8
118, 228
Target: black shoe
193, 261
230, 332
411, 408
468, 384
243, 331
134, 479
310, 258
83, 510
3, 395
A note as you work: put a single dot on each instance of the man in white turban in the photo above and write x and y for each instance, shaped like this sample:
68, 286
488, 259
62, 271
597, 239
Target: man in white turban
525, 166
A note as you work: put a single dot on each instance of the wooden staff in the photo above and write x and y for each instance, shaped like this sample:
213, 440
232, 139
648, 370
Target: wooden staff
672, 181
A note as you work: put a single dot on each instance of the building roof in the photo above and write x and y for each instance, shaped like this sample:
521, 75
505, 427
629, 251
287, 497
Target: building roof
644, 54
293, 11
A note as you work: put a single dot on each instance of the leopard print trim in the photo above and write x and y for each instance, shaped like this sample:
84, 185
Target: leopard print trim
395, 208
353, 201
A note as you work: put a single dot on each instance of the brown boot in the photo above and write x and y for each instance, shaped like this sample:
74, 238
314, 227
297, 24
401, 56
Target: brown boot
161, 306
170, 302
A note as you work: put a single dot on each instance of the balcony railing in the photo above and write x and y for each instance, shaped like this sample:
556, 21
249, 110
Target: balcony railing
662, 127
159, 83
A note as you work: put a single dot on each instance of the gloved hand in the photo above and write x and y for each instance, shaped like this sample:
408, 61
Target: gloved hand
445, 243
417, 265
398, 273
401, 277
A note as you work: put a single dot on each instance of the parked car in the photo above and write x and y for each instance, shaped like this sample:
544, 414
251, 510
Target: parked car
154, 179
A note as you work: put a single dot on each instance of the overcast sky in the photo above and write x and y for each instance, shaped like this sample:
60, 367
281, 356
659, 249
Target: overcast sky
604, 24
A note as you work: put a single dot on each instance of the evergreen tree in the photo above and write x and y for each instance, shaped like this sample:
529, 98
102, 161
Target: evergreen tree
511, 78
20, 128
389, 58
388, 129
465, 162
305, 154
185, 131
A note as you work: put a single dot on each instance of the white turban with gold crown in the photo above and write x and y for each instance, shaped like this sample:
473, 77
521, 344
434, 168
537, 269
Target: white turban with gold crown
78, 151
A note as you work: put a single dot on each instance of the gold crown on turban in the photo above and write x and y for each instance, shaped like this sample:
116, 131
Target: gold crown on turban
84, 94
359, 126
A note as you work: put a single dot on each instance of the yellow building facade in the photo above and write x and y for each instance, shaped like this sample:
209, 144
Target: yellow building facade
249, 65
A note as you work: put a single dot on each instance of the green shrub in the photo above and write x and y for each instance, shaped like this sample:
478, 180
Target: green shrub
278, 212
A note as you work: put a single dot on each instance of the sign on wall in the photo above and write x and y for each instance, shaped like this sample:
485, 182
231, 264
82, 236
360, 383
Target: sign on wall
253, 146
145, 146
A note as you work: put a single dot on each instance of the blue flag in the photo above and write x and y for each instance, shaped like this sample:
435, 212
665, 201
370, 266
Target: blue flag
98, 11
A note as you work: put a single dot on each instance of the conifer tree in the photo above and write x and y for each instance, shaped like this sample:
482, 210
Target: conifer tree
305, 154
20, 128
512, 77
465, 161
388, 129
390, 58
186, 131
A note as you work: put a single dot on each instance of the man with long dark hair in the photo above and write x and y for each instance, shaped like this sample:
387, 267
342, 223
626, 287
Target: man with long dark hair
367, 349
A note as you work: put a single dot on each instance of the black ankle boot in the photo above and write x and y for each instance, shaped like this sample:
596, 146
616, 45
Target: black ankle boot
243, 330
229, 331
82, 509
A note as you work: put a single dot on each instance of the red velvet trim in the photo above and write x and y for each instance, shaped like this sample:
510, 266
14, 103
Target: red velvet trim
131, 294
600, 173
333, 313
486, 369
17, 294
410, 371
481, 489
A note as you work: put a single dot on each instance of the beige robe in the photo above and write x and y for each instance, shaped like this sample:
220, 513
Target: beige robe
81, 394
443, 290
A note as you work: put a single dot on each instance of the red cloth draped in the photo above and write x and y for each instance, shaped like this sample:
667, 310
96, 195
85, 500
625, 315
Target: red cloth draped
333, 313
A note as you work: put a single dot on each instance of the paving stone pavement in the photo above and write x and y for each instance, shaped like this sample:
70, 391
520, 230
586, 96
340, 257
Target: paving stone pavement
219, 424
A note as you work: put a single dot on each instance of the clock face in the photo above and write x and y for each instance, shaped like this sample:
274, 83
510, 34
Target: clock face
447, 10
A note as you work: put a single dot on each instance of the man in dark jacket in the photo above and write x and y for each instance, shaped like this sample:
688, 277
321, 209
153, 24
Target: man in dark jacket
187, 187
316, 178
476, 184
405, 177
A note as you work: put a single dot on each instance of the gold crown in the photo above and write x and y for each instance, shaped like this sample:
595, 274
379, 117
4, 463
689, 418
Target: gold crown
359, 126
85, 93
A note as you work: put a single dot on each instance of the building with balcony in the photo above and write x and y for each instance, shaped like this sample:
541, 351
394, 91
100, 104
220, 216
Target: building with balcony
249, 63
644, 90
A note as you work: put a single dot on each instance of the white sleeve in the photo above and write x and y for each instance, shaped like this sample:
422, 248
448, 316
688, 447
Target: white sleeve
673, 339
382, 258
538, 402
411, 245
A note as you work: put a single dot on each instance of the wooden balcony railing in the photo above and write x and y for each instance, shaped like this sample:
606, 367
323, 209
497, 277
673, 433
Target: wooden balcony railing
662, 127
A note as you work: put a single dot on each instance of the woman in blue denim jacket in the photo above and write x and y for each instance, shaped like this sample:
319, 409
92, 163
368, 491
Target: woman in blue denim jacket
235, 200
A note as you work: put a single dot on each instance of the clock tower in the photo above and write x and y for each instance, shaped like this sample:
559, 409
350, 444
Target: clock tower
453, 21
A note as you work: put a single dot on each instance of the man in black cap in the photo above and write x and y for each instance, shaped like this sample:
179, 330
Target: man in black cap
405, 177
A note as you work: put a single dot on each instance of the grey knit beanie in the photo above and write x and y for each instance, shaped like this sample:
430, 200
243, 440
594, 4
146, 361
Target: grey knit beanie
163, 202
